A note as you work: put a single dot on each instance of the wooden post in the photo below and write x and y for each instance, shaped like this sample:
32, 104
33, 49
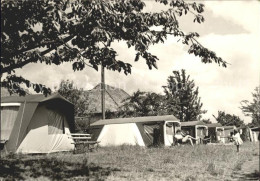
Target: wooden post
103, 91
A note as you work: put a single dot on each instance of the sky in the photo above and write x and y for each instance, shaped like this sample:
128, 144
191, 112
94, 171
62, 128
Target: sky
231, 29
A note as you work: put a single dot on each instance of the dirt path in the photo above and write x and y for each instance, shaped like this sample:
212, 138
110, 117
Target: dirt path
249, 170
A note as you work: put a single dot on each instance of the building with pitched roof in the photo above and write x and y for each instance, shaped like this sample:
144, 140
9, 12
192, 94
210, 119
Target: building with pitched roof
113, 100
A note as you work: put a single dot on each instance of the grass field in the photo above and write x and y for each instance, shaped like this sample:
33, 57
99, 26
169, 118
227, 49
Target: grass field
202, 162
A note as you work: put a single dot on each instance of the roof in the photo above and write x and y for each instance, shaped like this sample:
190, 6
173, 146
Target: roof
135, 120
32, 98
213, 125
229, 127
255, 129
192, 123
113, 98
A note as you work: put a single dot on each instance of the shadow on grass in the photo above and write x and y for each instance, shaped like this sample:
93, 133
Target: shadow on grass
21, 169
248, 176
252, 176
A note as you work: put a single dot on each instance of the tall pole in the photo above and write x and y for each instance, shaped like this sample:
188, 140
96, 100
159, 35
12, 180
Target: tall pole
258, 109
103, 91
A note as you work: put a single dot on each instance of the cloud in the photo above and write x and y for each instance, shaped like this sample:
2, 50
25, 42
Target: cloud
244, 13
235, 83
215, 19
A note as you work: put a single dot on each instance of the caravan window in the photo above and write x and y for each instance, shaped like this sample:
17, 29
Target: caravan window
55, 122
8, 117
170, 128
202, 132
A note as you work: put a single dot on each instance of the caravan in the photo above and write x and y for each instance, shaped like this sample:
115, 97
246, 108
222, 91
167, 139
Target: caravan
196, 129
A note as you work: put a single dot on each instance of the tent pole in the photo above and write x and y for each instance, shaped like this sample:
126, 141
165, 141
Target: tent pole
196, 134
103, 89
20, 126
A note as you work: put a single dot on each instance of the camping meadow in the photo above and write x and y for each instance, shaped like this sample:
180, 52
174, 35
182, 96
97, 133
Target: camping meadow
201, 162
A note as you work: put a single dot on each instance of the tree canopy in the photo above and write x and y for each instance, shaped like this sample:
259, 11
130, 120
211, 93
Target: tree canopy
76, 96
142, 104
182, 97
228, 120
252, 109
81, 32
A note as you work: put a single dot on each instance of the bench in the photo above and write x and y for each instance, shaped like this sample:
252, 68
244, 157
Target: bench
82, 142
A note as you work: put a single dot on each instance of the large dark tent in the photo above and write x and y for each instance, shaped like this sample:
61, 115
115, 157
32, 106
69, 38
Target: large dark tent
36, 124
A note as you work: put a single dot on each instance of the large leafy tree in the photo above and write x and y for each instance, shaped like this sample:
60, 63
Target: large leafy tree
182, 97
252, 109
228, 119
82, 31
76, 96
142, 104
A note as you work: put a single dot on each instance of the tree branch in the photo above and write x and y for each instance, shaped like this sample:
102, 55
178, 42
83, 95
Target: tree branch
30, 47
21, 64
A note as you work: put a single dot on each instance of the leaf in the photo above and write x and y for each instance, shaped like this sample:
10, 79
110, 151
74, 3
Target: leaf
137, 57
95, 67
37, 88
50, 8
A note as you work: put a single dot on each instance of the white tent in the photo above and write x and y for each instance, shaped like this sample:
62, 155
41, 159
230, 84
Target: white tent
142, 131
119, 134
36, 124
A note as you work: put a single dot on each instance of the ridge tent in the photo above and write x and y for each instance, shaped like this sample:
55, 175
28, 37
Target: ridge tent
36, 124
196, 129
216, 132
142, 131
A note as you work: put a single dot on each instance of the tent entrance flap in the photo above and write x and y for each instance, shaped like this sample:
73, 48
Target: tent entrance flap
8, 117
154, 133
55, 122
120, 134
27, 113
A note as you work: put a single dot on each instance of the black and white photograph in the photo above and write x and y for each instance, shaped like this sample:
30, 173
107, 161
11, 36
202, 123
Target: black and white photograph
149, 90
